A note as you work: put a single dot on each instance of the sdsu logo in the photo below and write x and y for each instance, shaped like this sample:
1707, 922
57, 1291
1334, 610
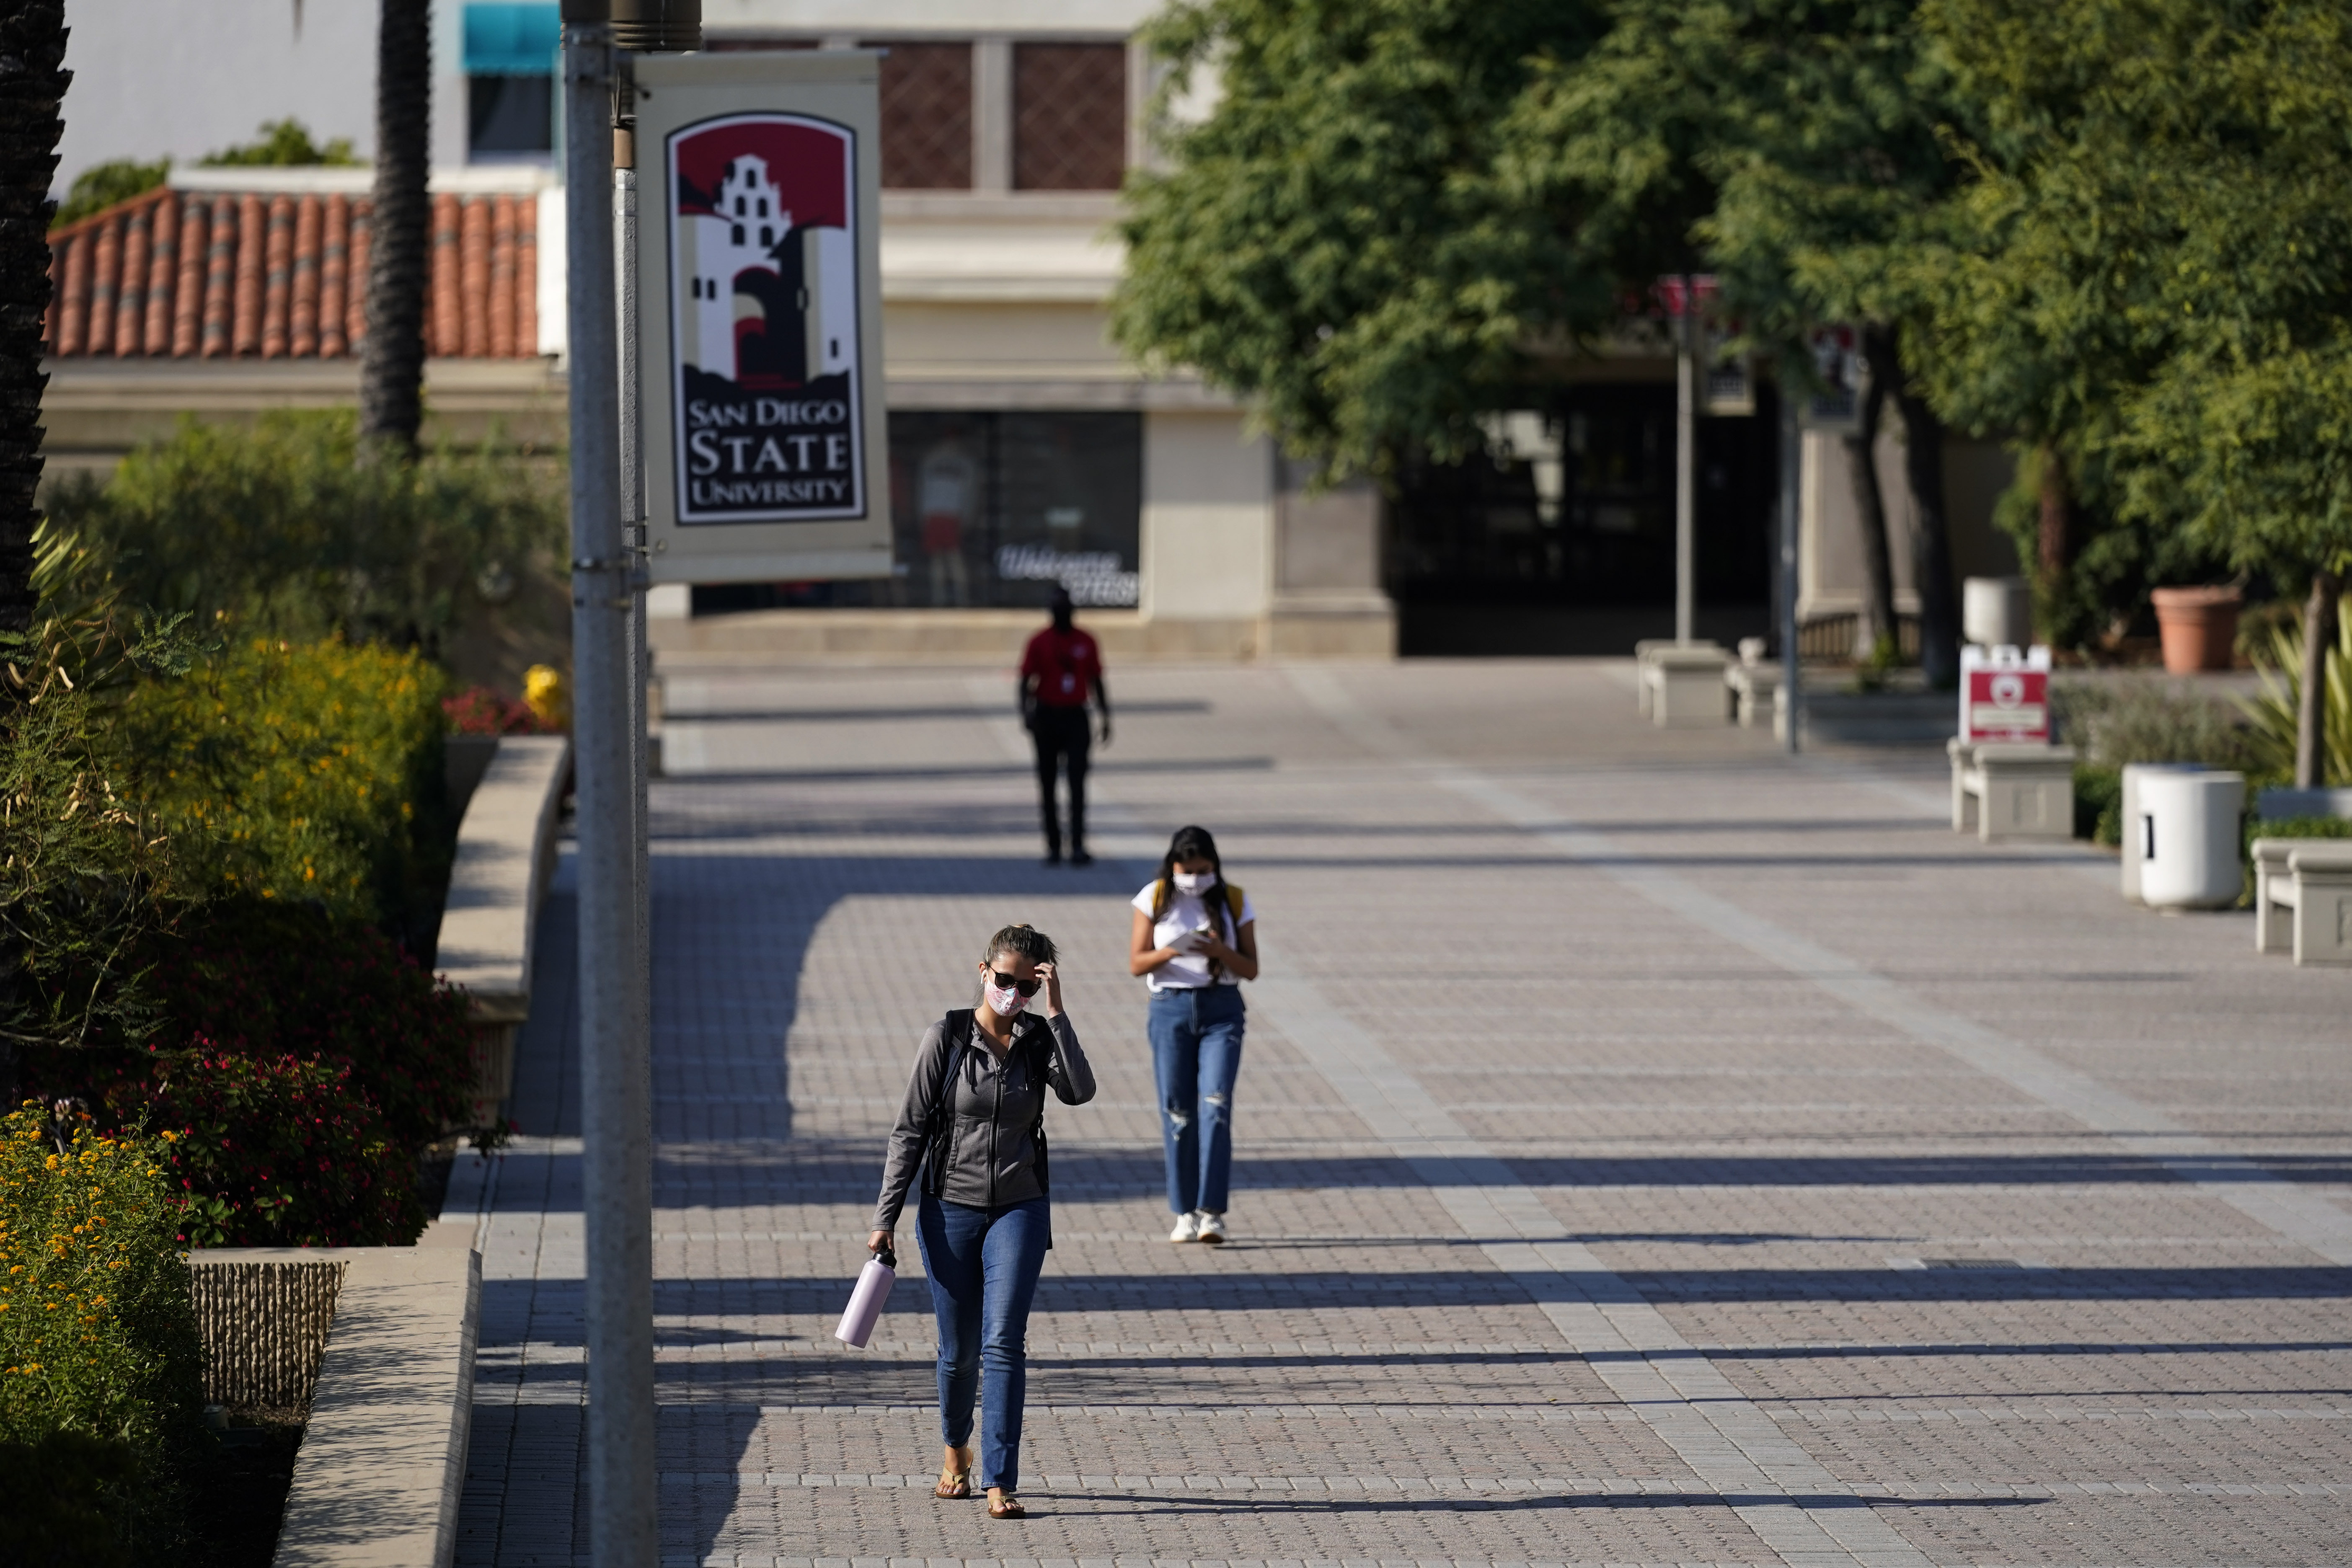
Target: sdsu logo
767, 420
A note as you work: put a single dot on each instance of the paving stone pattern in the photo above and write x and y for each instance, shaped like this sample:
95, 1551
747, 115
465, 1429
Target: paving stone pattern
1651, 1151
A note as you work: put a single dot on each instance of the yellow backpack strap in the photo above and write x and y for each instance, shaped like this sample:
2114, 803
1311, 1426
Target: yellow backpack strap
1234, 903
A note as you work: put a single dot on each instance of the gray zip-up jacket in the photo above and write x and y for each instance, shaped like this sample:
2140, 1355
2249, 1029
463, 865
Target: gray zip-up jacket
992, 1158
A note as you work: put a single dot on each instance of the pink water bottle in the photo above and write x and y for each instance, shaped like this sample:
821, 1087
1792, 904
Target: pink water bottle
874, 1282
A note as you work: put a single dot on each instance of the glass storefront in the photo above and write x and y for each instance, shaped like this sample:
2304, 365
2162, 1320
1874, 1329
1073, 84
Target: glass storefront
991, 510
1480, 561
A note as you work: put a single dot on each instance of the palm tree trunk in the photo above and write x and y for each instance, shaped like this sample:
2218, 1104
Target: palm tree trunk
2311, 708
32, 86
1874, 627
391, 362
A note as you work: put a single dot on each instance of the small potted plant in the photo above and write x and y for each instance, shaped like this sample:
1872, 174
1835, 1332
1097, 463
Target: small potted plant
2198, 626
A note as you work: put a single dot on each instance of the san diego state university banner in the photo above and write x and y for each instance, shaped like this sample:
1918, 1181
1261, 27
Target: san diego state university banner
760, 331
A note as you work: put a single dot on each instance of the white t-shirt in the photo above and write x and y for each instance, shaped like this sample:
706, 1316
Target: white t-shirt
1189, 971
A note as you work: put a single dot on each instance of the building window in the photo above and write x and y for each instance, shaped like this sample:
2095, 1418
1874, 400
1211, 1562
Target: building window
994, 510
510, 79
997, 508
509, 116
1069, 116
926, 116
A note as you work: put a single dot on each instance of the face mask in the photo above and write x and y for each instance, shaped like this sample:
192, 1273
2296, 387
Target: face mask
1006, 1000
1195, 882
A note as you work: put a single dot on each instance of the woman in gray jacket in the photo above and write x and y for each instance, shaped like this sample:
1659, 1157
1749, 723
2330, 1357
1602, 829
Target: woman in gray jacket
974, 1124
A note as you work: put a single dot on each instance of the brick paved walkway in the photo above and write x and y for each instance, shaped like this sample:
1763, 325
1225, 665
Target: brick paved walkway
1651, 1151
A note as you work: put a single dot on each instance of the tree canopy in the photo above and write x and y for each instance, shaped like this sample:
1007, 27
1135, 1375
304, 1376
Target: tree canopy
2117, 233
1327, 242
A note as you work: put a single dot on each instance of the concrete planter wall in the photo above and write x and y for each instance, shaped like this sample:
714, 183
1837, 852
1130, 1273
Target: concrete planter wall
506, 856
378, 1341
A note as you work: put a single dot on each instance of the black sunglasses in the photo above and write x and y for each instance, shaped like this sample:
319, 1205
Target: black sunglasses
1007, 983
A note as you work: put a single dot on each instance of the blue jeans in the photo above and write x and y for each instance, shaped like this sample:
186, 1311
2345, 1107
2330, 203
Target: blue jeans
1196, 1052
984, 1266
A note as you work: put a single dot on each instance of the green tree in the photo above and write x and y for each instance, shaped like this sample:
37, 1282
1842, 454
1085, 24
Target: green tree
1789, 147
102, 186
2152, 267
1327, 243
283, 144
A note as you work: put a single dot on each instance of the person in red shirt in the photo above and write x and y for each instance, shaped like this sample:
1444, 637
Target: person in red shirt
1060, 668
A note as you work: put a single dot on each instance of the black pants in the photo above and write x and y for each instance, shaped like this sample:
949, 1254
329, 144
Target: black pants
1062, 735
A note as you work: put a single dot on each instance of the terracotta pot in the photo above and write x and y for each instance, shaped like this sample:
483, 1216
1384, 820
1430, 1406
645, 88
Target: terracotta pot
2199, 628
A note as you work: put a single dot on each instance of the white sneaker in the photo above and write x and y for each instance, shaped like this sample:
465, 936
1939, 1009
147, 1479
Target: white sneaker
1211, 1228
1188, 1228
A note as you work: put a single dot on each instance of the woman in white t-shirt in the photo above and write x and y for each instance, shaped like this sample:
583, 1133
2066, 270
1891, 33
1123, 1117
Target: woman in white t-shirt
1195, 941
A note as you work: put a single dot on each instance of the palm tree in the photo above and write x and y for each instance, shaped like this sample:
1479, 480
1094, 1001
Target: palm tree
32, 88
392, 361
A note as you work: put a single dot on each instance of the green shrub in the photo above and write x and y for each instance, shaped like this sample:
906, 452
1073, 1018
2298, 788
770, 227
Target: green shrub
96, 1335
269, 979
303, 772
87, 879
68, 1489
279, 1152
2149, 719
283, 529
302, 1061
480, 710
2274, 713
2098, 804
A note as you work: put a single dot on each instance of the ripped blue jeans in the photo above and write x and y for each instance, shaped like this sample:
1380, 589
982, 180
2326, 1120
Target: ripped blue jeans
1196, 1052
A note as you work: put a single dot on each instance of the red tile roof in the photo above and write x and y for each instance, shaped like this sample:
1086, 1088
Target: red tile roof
196, 274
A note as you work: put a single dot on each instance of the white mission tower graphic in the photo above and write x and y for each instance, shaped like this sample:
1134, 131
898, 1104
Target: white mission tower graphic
747, 236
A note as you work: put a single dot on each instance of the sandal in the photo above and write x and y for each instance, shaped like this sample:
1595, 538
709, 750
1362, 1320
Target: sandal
1006, 1507
955, 1484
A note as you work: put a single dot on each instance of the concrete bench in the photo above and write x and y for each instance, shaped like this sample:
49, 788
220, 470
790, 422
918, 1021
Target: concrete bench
2303, 899
1684, 686
378, 1341
506, 856
2008, 791
1756, 694
1648, 648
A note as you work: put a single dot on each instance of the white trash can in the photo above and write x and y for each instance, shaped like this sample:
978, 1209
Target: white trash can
1997, 611
2132, 837
2189, 828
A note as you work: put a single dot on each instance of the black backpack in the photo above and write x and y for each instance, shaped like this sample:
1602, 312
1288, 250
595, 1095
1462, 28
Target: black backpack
957, 1027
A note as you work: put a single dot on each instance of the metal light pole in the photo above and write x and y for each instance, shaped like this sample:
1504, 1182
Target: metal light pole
616, 1164
1686, 467
633, 532
609, 758
1792, 453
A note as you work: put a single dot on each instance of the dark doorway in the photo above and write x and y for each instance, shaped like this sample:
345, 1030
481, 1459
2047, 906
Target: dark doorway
1481, 563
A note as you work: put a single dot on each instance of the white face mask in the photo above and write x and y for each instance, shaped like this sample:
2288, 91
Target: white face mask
1195, 882
1007, 1000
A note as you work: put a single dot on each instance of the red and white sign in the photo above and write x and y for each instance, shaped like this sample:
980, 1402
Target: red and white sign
759, 328
2005, 695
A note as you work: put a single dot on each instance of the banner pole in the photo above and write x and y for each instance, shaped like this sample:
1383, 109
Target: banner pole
630, 453
1686, 464
1793, 456
616, 1166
